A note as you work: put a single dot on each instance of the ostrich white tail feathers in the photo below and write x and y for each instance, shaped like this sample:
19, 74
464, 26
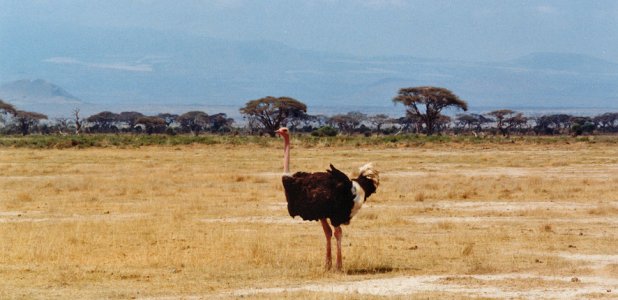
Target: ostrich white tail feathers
371, 173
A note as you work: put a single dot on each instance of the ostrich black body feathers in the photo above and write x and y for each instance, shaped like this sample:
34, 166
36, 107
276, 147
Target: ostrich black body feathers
330, 194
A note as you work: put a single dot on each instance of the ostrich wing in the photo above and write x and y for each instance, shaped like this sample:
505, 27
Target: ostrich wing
342, 183
319, 195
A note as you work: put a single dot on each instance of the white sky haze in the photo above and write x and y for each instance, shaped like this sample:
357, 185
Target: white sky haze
476, 30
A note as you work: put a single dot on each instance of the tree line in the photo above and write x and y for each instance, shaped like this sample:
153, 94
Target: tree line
13, 121
423, 115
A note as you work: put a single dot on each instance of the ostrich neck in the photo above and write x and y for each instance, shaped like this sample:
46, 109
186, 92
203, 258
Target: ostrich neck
286, 155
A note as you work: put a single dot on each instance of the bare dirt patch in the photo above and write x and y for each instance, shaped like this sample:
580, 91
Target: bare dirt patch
496, 206
487, 220
493, 286
597, 261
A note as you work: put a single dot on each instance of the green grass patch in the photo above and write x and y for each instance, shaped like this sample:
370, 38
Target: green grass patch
307, 140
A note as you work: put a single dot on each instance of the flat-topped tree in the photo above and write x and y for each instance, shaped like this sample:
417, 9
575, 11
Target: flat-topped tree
272, 113
607, 121
103, 121
168, 118
507, 119
194, 121
151, 124
220, 122
130, 118
7, 108
473, 122
426, 102
26, 120
349, 122
378, 120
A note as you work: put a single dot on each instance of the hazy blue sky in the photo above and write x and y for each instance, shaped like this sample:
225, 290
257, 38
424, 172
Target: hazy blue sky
468, 30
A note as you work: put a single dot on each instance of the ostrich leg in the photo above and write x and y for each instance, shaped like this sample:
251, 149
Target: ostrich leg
338, 236
328, 233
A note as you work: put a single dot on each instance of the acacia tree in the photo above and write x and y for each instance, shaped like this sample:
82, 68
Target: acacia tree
272, 112
309, 122
319, 120
500, 115
194, 121
426, 102
220, 122
518, 121
582, 125
561, 121
465, 121
168, 118
349, 122
62, 125
6, 108
442, 123
378, 121
552, 124
607, 121
152, 124
300, 117
472, 121
103, 121
130, 118
26, 120
507, 119
409, 122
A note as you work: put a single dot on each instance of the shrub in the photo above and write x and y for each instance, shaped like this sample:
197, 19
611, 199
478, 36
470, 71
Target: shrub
325, 131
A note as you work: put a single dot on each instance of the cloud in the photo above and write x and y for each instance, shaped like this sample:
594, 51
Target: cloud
62, 60
108, 66
123, 67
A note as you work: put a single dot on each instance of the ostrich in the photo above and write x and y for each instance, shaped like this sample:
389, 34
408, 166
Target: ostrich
326, 195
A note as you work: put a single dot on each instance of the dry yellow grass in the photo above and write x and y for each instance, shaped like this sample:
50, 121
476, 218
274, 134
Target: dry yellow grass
210, 221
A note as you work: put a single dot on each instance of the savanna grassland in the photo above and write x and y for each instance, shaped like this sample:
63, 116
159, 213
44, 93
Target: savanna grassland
450, 220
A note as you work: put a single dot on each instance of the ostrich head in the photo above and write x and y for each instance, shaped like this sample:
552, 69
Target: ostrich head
369, 179
283, 132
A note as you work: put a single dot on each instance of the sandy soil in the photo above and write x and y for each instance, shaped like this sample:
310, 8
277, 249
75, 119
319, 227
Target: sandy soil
495, 286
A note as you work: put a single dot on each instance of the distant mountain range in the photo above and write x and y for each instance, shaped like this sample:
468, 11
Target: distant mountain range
39, 91
156, 70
